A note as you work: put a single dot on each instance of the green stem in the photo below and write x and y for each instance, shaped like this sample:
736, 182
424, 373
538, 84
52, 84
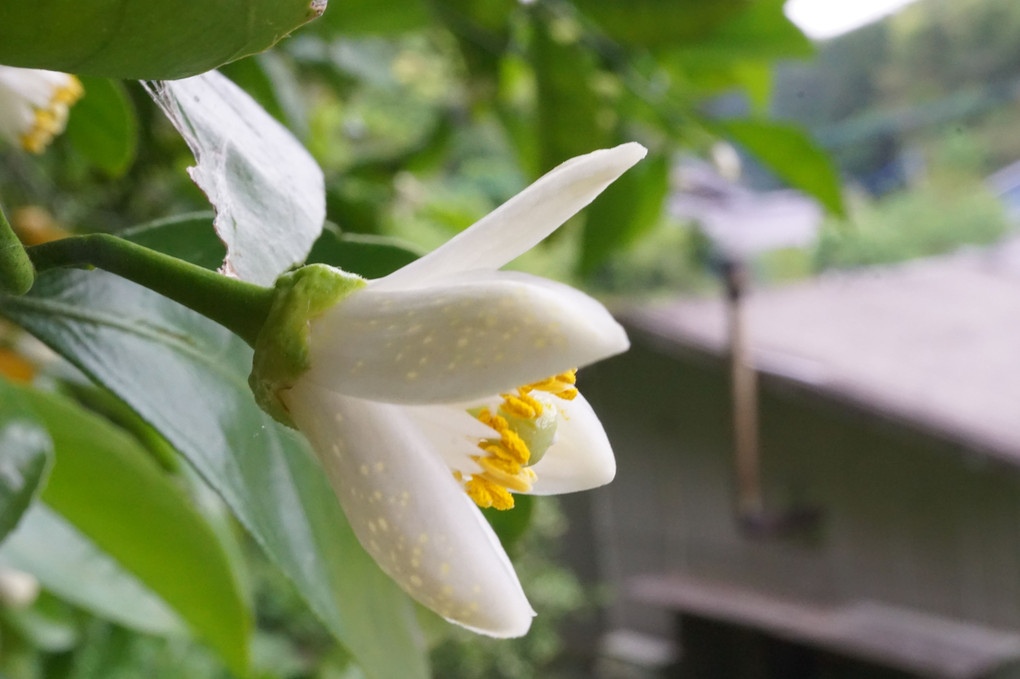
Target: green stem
240, 307
16, 274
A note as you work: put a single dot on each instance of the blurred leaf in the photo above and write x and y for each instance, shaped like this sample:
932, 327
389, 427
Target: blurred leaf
69, 565
187, 377
190, 237
363, 254
49, 624
569, 110
150, 39
25, 451
110, 489
511, 525
654, 23
790, 153
267, 190
104, 127
759, 31
625, 211
482, 29
370, 17
270, 80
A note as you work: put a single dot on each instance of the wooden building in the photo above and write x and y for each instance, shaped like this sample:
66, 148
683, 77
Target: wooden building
889, 543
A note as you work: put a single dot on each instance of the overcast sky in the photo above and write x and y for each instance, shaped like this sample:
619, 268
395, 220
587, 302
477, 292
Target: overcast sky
826, 18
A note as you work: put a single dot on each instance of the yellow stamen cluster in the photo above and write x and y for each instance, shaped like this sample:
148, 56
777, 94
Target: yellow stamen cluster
50, 121
561, 385
504, 467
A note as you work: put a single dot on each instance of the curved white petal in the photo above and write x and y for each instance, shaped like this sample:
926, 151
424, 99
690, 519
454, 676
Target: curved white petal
409, 513
581, 458
516, 226
452, 432
466, 337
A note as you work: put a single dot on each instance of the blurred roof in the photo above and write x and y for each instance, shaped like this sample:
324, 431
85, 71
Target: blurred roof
740, 222
934, 343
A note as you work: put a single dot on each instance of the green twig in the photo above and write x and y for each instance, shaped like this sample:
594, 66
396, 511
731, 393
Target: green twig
240, 307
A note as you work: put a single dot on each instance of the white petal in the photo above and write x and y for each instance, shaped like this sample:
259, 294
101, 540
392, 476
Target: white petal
466, 338
520, 223
452, 432
581, 458
409, 513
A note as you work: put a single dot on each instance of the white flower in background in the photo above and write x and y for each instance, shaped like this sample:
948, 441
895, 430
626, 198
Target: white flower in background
34, 105
428, 391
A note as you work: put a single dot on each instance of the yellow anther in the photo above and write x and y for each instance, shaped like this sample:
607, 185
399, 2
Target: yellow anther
521, 405
71, 92
503, 467
505, 473
561, 385
516, 446
485, 493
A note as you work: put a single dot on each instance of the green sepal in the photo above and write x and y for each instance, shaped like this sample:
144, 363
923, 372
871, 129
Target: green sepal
281, 349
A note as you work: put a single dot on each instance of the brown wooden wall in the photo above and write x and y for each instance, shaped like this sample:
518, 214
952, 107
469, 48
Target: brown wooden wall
905, 519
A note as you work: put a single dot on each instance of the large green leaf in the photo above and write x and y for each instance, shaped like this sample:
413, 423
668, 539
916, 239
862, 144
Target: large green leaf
623, 212
104, 128
150, 39
71, 566
105, 484
790, 153
25, 451
187, 377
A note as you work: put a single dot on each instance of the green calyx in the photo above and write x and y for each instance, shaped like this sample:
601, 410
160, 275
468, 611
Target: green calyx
281, 349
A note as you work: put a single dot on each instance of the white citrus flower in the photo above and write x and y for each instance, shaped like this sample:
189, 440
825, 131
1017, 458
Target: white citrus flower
34, 105
428, 391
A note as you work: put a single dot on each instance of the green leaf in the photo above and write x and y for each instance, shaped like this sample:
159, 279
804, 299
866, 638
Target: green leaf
270, 79
112, 491
144, 39
363, 254
188, 378
25, 451
653, 23
760, 31
70, 566
370, 17
790, 153
104, 128
268, 192
625, 211
190, 237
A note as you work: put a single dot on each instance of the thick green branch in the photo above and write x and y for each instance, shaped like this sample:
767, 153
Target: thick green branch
240, 307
